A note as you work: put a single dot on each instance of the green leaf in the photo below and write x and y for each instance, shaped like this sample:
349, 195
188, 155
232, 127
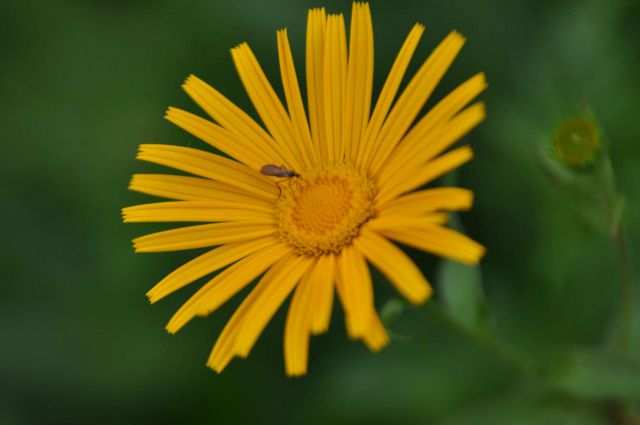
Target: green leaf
527, 405
597, 374
461, 292
392, 310
460, 288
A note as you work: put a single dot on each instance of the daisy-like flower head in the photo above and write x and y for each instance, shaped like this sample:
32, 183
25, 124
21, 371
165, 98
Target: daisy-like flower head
353, 176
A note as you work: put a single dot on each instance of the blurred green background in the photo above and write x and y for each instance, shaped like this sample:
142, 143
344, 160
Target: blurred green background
82, 83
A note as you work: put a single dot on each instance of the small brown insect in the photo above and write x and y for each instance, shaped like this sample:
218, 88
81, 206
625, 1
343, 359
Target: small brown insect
277, 171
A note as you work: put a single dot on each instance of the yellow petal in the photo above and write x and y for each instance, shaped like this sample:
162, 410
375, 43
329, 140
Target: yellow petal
334, 82
269, 107
433, 144
390, 221
222, 352
438, 240
185, 188
429, 200
226, 284
427, 131
426, 173
207, 263
272, 292
220, 138
322, 277
202, 236
316, 29
227, 344
447, 108
413, 98
194, 211
294, 99
376, 337
355, 290
359, 79
395, 265
205, 164
296, 330
233, 118
388, 93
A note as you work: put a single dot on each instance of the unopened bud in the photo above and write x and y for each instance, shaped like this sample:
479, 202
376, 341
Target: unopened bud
576, 142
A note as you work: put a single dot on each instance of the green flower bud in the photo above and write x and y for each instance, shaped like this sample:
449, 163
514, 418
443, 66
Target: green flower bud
576, 142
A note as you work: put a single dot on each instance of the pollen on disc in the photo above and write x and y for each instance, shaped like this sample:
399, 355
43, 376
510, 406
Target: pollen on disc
323, 210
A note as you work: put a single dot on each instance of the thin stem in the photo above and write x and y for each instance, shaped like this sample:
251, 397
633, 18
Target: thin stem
488, 341
619, 240
626, 288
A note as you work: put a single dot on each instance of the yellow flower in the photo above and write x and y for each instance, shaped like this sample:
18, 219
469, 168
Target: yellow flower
354, 187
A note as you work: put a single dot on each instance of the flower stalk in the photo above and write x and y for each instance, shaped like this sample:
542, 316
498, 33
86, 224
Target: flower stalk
578, 162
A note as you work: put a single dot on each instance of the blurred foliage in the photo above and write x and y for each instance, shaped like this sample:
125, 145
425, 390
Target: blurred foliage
84, 82
460, 287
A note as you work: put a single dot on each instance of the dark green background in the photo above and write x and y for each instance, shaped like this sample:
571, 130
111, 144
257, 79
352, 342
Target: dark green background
82, 83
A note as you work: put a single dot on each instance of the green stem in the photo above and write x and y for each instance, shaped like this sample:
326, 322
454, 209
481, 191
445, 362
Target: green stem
485, 340
612, 202
626, 289
619, 240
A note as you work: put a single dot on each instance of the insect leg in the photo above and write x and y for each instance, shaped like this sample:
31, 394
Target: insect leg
278, 183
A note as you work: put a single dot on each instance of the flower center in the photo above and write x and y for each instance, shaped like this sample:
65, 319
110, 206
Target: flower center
323, 209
